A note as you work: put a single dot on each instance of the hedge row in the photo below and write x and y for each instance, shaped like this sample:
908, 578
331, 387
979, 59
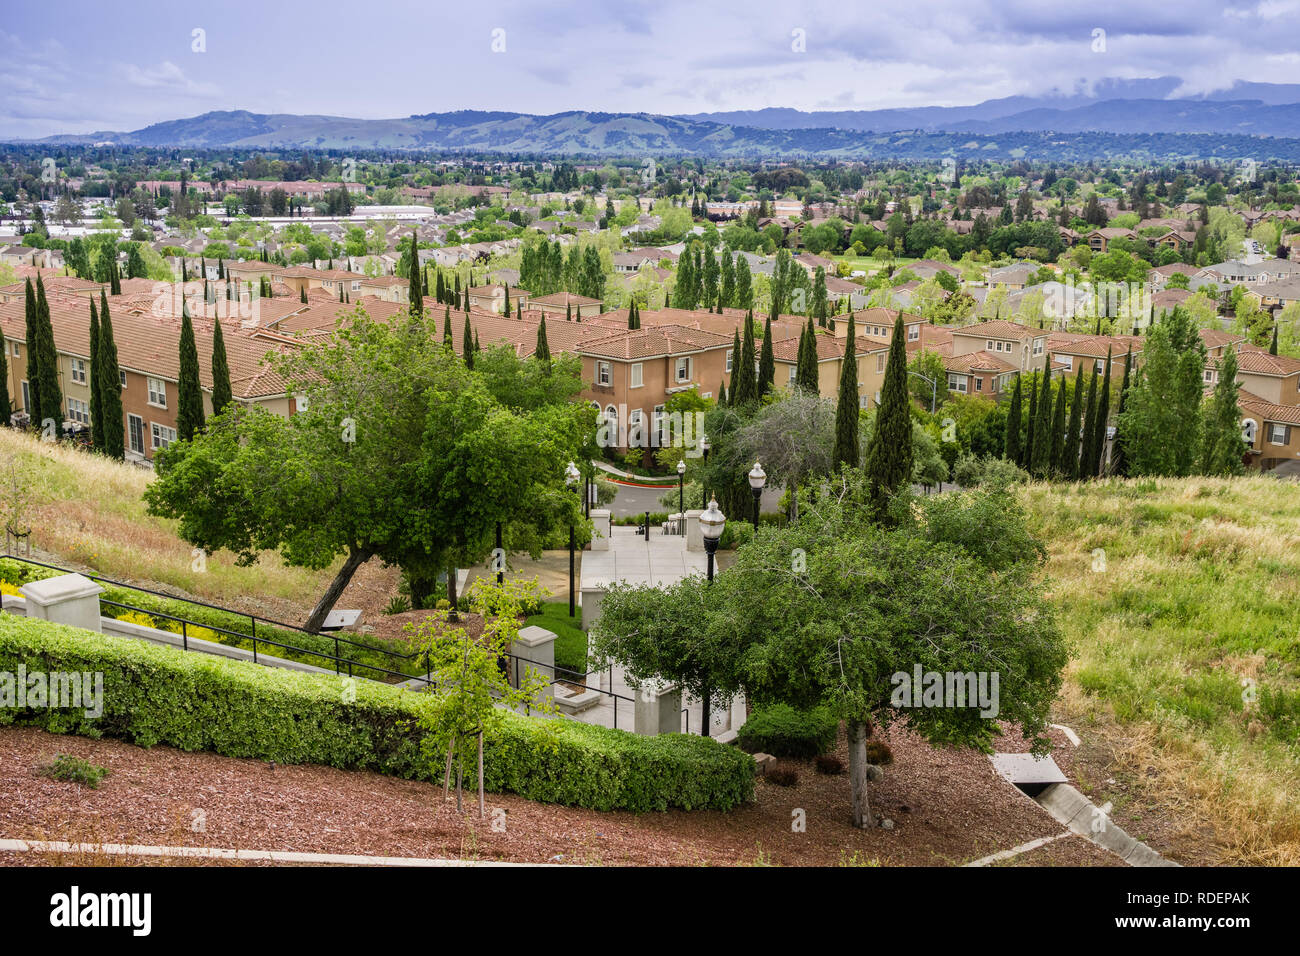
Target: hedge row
16, 572
782, 731
193, 701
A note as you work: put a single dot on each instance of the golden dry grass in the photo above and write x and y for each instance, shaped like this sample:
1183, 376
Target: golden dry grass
1181, 599
87, 510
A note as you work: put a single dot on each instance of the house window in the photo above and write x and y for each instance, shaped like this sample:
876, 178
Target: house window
162, 435
27, 397
913, 333
684, 369
1279, 434
729, 357
78, 412
611, 421
989, 345
880, 362
1066, 360
135, 431
122, 376
1038, 346
17, 351
157, 394
1209, 374
979, 384
79, 370
660, 425
1099, 365
635, 438
635, 376
604, 373
957, 383
794, 370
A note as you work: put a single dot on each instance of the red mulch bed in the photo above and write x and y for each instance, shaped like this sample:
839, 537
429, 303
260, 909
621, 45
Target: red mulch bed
948, 807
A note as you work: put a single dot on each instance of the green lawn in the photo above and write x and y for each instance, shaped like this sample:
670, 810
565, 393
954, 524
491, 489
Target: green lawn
570, 638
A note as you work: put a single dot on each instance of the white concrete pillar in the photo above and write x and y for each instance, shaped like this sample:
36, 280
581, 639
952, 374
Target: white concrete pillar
658, 710
592, 597
536, 646
67, 599
600, 529
694, 535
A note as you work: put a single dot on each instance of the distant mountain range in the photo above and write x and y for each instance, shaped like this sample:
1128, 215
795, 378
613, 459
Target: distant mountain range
1132, 118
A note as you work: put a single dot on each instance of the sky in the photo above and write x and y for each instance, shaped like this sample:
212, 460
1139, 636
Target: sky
76, 67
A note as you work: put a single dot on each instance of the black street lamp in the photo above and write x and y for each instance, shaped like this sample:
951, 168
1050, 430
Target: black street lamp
704, 491
712, 522
681, 492
757, 479
571, 477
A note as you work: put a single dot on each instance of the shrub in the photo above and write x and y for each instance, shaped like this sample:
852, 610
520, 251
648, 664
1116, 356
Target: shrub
400, 604
782, 731
74, 770
159, 695
971, 472
829, 764
878, 753
783, 775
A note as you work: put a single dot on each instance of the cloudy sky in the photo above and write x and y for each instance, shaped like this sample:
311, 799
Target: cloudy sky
73, 66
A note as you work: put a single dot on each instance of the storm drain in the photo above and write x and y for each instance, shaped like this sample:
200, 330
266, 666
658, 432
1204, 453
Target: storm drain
1029, 774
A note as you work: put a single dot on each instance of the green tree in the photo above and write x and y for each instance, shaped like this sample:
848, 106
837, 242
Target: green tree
51, 395
744, 382
1097, 430
108, 378
847, 452
1223, 449
96, 419
189, 401
766, 361
889, 454
1161, 423
222, 393
1118, 458
1056, 458
954, 591
1012, 449
1072, 457
542, 352
1042, 439
415, 287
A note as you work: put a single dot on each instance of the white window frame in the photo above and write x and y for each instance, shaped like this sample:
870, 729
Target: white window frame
130, 437
731, 356
1100, 366
1038, 346
121, 377
794, 370
79, 367
979, 383
78, 411
682, 369
957, 383
1273, 428
17, 351
155, 393
1066, 360
635, 376
913, 333
157, 437
604, 373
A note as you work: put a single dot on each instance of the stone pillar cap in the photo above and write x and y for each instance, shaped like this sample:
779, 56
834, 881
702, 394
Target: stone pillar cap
65, 587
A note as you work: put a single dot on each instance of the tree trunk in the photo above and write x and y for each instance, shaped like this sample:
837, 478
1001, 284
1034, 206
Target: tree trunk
446, 780
858, 733
356, 558
482, 810
451, 592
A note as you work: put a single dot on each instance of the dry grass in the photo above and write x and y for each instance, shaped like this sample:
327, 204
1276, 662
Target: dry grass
87, 510
1187, 637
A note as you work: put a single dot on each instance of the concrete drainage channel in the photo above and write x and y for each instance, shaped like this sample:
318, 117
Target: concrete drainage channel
1041, 780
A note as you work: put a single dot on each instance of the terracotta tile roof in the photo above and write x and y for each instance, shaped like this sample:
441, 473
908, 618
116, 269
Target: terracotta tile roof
564, 298
651, 342
1095, 346
998, 329
1261, 363
1252, 404
977, 362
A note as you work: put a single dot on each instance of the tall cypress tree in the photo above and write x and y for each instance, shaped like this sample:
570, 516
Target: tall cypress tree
889, 455
6, 409
414, 287
1011, 448
543, 350
467, 344
801, 359
807, 377
109, 377
846, 451
1098, 455
222, 393
447, 342
33, 355
51, 394
722, 394
1042, 459
766, 361
735, 364
189, 393
1076, 446
1031, 420
1057, 455
96, 424
1090, 427
744, 382
1118, 460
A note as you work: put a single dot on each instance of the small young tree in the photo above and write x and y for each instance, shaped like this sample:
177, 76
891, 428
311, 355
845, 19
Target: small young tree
471, 689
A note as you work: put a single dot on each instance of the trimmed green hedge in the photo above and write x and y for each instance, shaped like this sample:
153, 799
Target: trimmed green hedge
193, 701
782, 731
17, 572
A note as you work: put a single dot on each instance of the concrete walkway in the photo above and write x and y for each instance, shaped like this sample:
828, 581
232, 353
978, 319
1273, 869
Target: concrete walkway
660, 560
